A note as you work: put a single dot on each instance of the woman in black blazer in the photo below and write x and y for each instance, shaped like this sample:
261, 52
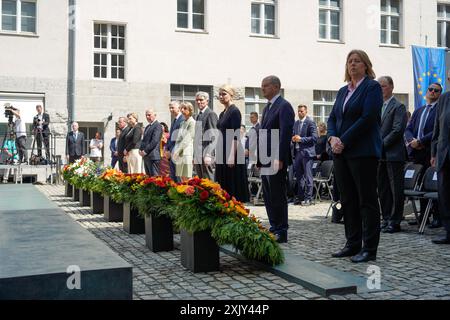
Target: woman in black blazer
355, 139
132, 144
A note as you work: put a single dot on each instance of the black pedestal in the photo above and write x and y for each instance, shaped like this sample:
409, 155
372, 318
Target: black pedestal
158, 233
133, 223
85, 198
68, 189
199, 251
96, 202
112, 211
75, 194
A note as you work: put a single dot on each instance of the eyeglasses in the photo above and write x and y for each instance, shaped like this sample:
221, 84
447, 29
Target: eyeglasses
434, 89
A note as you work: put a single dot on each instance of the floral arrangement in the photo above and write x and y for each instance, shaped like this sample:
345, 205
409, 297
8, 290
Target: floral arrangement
81, 173
203, 205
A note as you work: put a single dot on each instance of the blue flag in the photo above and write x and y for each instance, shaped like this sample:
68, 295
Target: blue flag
429, 67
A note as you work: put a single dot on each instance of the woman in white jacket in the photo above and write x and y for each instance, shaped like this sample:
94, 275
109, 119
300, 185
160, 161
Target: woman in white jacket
183, 150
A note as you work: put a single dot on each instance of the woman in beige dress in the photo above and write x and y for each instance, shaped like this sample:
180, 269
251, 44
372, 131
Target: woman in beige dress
183, 150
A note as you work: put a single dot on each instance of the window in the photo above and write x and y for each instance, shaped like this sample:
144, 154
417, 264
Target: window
254, 102
390, 22
18, 16
322, 105
443, 25
186, 93
89, 129
109, 51
191, 14
329, 19
403, 98
263, 17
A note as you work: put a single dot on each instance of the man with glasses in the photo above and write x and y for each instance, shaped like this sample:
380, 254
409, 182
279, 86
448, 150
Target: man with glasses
418, 135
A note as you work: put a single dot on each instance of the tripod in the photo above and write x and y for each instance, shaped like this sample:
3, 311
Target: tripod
36, 159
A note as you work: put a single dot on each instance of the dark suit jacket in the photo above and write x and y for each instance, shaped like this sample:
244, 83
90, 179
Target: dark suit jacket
121, 142
393, 124
208, 120
45, 123
133, 138
358, 126
441, 135
280, 116
412, 131
308, 133
112, 146
151, 141
173, 133
75, 147
252, 135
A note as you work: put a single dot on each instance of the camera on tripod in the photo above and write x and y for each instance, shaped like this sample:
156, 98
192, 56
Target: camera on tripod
9, 112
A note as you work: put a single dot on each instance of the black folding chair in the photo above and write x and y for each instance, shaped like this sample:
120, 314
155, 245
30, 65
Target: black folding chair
254, 179
412, 192
324, 177
430, 188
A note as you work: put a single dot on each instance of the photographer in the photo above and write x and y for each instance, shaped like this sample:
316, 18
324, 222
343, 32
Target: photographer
21, 135
41, 131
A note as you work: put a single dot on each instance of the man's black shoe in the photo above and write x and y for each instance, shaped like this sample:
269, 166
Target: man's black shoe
444, 240
297, 202
435, 224
306, 203
393, 228
384, 224
281, 238
345, 252
364, 256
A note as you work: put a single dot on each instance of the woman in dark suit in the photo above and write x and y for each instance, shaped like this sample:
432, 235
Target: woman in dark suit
231, 172
132, 144
354, 136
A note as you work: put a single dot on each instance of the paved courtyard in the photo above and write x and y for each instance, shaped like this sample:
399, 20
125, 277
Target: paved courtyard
410, 265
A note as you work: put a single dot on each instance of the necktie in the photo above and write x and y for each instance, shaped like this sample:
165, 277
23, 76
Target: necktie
76, 136
423, 120
383, 108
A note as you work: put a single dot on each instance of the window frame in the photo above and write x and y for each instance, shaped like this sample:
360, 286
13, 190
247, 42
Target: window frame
199, 87
445, 21
262, 20
329, 9
18, 15
323, 117
109, 51
389, 15
190, 13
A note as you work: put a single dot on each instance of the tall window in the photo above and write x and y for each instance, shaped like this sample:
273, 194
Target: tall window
390, 22
329, 19
263, 17
323, 104
191, 14
18, 16
186, 93
254, 102
109, 51
443, 25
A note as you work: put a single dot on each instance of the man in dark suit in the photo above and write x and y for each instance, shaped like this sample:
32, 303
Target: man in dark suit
113, 148
205, 132
123, 126
277, 120
40, 125
174, 108
393, 156
440, 159
251, 144
304, 140
150, 144
418, 135
75, 147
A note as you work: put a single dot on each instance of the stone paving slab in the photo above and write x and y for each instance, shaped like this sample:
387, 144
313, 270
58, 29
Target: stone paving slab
408, 263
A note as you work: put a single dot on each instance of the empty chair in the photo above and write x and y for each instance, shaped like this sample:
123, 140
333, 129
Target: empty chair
254, 179
413, 173
430, 188
324, 177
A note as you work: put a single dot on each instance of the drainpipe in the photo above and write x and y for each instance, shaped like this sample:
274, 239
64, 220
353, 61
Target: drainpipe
71, 62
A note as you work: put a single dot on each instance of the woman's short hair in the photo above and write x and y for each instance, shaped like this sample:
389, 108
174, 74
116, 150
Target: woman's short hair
188, 106
99, 134
365, 59
133, 114
228, 89
164, 125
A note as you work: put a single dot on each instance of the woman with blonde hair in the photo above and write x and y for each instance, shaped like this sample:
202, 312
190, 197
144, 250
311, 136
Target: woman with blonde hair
231, 172
183, 151
132, 144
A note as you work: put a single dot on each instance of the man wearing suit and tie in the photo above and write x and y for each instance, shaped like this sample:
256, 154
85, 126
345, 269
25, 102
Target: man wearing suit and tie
418, 135
150, 143
174, 108
75, 147
440, 159
304, 140
40, 125
113, 148
277, 119
393, 156
206, 124
123, 126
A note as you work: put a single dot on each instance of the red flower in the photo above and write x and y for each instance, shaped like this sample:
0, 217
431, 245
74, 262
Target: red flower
204, 195
189, 191
194, 181
227, 196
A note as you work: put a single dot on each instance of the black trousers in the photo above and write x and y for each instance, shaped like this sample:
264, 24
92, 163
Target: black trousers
275, 200
357, 183
72, 159
390, 189
443, 177
151, 167
123, 166
39, 139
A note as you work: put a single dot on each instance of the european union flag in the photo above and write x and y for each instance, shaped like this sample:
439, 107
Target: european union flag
429, 67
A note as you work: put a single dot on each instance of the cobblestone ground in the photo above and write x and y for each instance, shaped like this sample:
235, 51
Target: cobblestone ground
411, 266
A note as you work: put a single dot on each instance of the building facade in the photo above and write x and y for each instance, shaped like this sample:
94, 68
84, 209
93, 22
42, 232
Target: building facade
95, 60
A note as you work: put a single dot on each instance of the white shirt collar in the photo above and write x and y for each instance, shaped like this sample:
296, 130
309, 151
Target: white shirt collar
272, 101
